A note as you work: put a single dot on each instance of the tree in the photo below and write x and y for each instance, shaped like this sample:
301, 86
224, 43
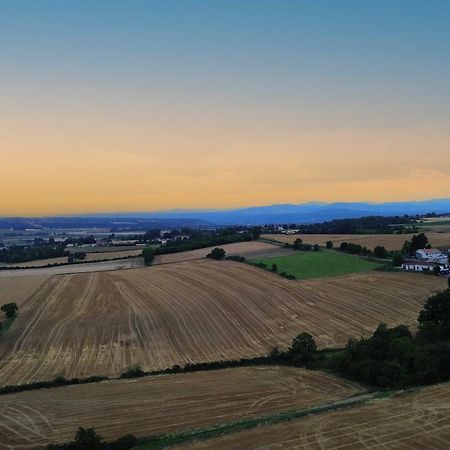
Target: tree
406, 247
274, 268
436, 314
380, 252
398, 259
316, 247
80, 255
149, 254
298, 243
302, 349
329, 244
9, 309
418, 242
216, 253
256, 232
87, 439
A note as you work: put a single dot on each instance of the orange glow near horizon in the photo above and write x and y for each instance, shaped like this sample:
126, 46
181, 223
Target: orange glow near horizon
48, 172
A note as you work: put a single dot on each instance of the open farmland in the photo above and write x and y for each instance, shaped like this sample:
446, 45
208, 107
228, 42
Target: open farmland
102, 323
90, 257
163, 404
250, 249
389, 241
306, 265
419, 420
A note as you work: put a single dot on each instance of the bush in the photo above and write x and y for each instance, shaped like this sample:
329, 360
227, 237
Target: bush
329, 244
398, 259
217, 253
133, 372
149, 254
274, 268
9, 309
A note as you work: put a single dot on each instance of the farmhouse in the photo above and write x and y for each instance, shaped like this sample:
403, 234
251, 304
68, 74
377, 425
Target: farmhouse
417, 265
432, 255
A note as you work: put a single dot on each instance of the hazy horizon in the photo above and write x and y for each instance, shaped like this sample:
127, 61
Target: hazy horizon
156, 105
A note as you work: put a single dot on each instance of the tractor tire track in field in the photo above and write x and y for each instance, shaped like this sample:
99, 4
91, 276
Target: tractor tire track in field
163, 404
414, 420
102, 323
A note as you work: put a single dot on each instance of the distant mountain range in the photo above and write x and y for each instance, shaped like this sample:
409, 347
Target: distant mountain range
301, 213
258, 215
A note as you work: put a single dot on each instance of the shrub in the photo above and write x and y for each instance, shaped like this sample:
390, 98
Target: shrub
216, 253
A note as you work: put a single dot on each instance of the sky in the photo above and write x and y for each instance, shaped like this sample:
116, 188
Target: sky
141, 105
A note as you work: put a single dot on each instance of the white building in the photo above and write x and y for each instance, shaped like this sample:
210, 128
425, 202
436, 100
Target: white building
432, 255
416, 265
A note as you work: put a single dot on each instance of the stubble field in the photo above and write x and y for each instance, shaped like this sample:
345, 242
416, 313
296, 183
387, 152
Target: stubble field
90, 257
102, 323
251, 249
163, 404
415, 421
389, 241
18, 289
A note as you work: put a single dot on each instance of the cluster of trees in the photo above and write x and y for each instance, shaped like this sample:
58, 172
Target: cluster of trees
18, 253
299, 245
417, 242
395, 357
88, 439
361, 225
355, 249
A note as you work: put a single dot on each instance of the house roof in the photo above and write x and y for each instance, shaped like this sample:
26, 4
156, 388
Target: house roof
430, 251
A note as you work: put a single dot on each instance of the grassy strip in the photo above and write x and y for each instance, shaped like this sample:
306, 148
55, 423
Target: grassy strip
167, 440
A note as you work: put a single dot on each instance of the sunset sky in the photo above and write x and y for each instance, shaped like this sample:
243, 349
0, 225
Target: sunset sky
140, 105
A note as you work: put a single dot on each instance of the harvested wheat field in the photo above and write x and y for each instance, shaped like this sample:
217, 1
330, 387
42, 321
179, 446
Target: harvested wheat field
389, 241
18, 289
163, 404
102, 323
251, 249
419, 420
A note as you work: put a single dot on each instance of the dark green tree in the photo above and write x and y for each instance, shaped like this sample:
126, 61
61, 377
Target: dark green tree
380, 252
329, 244
87, 439
9, 309
418, 242
274, 268
303, 349
436, 315
217, 253
398, 259
149, 254
298, 243
256, 232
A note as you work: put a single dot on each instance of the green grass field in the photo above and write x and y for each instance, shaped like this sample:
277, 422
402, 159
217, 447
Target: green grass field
318, 264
